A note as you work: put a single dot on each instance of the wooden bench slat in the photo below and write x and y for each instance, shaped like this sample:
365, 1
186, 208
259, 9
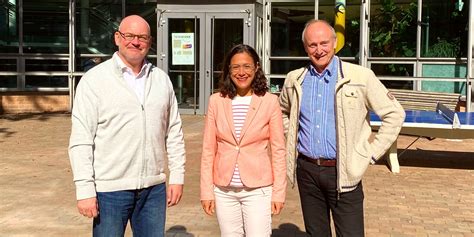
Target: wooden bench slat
424, 100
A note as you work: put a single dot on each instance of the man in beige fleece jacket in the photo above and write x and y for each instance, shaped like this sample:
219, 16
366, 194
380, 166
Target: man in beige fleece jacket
326, 117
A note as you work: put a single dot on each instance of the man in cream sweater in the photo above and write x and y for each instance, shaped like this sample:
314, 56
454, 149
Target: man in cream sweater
125, 123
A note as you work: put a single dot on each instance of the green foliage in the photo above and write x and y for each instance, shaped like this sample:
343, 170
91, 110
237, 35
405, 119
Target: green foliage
393, 30
443, 48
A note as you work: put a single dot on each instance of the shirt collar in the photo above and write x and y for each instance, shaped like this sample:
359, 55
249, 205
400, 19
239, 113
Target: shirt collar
145, 67
330, 70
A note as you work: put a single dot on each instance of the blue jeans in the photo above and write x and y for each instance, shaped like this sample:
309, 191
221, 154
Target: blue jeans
145, 208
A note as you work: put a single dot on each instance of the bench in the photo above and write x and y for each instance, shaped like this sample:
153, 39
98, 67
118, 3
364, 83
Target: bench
425, 100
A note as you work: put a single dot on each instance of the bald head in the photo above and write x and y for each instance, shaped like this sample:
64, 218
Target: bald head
321, 23
134, 21
133, 40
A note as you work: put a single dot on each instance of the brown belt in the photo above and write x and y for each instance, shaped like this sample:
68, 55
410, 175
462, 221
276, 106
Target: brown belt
319, 161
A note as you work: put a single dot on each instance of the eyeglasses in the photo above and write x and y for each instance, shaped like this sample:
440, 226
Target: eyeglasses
130, 37
247, 68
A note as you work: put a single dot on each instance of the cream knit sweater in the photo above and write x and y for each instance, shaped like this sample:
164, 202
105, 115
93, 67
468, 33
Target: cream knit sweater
116, 142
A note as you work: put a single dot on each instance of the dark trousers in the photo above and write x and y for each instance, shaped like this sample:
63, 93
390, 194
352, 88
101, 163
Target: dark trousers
318, 193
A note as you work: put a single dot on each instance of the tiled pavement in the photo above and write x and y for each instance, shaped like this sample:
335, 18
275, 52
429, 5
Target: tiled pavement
432, 196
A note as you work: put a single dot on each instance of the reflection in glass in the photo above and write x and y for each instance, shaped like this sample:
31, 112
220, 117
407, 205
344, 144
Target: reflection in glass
88, 63
276, 84
46, 65
393, 28
227, 33
8, 65
288, 20
8, 81
352, 24
185, 78
443, 28
285, 66
8, 27
96, 23
46, 26
46, 81
399, 70
145, 9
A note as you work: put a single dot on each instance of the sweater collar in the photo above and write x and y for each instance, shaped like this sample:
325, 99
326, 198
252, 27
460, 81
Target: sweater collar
123, 67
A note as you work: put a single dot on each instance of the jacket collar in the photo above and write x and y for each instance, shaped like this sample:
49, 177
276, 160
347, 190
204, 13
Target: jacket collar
253, 108
341, 79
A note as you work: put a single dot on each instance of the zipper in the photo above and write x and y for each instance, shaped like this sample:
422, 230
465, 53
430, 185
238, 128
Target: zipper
338, 163
143, 170
298, 81
144, 164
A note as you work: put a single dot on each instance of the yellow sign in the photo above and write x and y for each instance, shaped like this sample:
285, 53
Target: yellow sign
340, 23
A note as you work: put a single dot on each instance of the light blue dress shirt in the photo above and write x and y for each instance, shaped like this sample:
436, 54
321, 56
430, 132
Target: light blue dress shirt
317, 130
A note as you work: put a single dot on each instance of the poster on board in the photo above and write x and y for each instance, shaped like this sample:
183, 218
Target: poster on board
182, 48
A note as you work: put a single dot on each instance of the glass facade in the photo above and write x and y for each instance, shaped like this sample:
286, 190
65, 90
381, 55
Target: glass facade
36, 39
425, 36
287, 52
9, 35
44, 47
393, 28
287, 23
96, 38
45, 26
444, 29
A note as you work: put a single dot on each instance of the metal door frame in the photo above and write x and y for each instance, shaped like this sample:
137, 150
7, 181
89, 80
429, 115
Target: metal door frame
206, 14
163, 46
247, 39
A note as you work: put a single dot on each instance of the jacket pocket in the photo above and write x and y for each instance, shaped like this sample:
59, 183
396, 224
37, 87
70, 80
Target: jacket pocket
359, 160
351, 98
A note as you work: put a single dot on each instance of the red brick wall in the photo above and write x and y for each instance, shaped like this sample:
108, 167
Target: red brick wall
34, 102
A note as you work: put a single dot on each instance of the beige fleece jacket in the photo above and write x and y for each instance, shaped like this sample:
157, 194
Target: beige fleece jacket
358, 91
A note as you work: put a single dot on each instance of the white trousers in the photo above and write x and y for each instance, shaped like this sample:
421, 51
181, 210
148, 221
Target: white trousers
244, 212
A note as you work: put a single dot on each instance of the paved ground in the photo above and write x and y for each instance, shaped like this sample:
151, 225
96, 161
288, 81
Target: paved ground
432, 196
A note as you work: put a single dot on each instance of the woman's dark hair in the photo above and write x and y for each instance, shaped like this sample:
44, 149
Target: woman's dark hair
226, 85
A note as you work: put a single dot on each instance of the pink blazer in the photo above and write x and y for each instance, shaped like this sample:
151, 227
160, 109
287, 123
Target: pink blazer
260, 153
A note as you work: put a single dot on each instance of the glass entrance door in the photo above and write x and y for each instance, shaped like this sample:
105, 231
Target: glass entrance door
193, 48
182, 57
226, 30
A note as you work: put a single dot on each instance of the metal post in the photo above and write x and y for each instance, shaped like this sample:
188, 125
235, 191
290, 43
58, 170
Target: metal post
469, 58
72, 53
364, 31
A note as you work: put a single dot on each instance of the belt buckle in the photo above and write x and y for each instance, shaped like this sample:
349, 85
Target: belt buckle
318, 161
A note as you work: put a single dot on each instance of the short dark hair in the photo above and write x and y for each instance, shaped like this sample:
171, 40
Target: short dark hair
259, 84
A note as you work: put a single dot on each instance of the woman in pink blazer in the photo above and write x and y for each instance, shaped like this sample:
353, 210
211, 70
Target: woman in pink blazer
243, 168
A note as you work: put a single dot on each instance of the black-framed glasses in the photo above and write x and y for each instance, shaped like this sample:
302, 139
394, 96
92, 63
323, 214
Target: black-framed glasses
130, 37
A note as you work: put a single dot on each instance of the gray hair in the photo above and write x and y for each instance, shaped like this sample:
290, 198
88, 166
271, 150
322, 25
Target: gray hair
313, 21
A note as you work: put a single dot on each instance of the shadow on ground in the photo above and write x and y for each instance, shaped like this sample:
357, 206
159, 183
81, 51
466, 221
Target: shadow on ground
288, 229
434, 159
178, 231
284, 230
437, 159
34, 116
6, 133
